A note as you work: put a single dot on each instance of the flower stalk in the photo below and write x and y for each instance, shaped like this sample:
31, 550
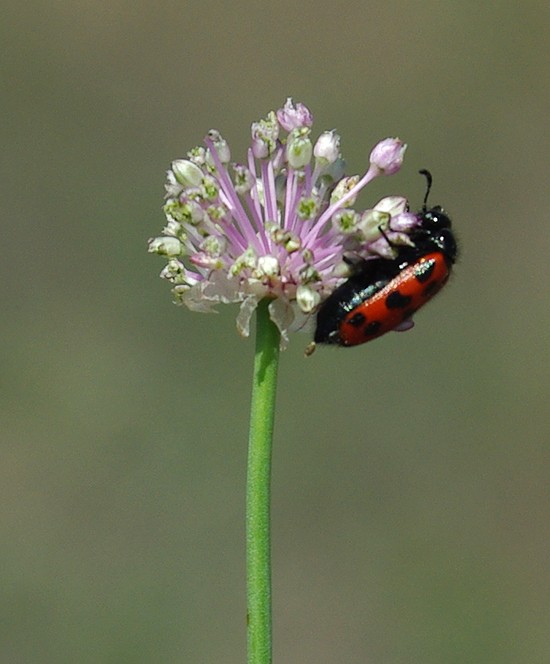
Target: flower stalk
258, 488
276, 234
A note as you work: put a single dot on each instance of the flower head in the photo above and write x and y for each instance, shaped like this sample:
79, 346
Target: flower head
276, 226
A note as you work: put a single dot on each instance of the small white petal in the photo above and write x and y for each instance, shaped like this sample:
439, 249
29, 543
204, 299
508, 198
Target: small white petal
248, 307
307, 298
371, 222
393, 205
268, 265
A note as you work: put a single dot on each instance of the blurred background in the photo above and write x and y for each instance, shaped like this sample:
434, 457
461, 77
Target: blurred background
410, 491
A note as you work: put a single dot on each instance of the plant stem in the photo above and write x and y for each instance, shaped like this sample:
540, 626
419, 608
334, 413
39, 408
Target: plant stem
258, 488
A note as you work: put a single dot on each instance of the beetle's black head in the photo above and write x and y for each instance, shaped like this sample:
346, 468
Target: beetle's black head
434, 231
434, 219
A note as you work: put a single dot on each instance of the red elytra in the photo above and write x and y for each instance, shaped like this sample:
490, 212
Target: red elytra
396, 302
383, 294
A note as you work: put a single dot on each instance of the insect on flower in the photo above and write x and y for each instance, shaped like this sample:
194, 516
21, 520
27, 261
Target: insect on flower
279, 225
383, 294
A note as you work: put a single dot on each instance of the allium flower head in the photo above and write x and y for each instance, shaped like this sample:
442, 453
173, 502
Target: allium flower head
276, 226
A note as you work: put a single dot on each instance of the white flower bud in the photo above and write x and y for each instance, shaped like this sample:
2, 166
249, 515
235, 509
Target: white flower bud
187, 173
307, 298
222, 148
388, 155
166, 246
291, 117
264, 136
327, 148
299, 148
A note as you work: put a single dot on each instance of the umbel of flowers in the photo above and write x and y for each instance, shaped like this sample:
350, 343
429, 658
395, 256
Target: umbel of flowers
277, 225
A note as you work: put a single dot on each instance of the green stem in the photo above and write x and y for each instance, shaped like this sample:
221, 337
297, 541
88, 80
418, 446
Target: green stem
258, 489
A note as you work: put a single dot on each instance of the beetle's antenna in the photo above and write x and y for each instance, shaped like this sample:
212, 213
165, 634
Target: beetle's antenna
428, 177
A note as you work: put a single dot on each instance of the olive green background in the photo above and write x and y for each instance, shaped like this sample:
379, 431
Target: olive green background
411, 475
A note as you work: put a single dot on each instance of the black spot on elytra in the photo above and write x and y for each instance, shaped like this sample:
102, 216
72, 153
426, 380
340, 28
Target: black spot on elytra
372, 328
431, 289
356, 320
396, 300
424, 271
